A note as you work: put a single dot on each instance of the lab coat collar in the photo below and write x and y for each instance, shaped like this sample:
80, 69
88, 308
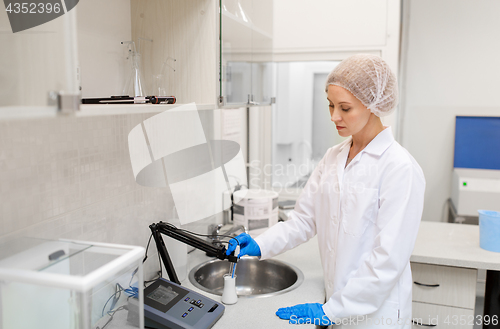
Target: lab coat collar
378, 145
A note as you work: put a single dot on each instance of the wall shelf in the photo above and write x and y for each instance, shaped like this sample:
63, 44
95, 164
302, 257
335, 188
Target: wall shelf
118, 109
87, 110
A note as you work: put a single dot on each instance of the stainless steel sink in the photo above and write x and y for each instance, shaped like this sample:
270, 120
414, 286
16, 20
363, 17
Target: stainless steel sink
254, 278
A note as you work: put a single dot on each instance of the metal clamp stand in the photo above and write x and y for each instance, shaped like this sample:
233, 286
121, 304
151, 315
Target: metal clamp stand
164, 228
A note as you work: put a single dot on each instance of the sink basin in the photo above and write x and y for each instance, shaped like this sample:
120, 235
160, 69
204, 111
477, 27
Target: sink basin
254, 278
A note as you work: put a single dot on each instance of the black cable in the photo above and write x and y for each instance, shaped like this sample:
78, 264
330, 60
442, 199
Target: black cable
132, 277
197, 234
147, 247
204, 235
159, 262
146, 257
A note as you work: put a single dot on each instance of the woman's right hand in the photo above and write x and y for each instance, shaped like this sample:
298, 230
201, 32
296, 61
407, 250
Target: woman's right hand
247, 244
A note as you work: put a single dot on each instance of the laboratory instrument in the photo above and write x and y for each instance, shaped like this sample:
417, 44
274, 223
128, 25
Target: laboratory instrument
157, 229
66, 284
474, 189
169, 305
476, 173
173, 306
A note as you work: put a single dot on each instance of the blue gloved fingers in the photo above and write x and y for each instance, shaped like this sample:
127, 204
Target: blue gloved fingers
304, 313
251, 249
231, 246
248, 246
299, 310
284, 313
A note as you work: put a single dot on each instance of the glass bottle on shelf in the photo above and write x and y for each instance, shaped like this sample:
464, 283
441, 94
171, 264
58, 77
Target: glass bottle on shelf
134, 82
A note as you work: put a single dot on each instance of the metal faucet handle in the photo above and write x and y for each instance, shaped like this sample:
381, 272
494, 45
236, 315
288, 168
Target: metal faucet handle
215, 229
234, 229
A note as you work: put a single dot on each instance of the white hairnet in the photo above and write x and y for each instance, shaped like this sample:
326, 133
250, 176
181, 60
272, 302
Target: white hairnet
370, 80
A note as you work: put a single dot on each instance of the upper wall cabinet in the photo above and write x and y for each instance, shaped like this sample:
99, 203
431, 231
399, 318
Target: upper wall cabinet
169, 47
39, 62
332, 30
335, 29
101, 48
338, 24
247, 68
196, 50
179, 43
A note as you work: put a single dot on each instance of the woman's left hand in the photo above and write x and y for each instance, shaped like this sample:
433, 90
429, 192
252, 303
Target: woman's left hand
311, 313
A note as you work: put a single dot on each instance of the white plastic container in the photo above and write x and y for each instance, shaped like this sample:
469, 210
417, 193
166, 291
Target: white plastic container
229, 295
256, 209
70, 285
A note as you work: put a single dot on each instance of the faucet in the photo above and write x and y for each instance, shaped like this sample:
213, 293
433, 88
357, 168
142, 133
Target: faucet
215, 233
232, 231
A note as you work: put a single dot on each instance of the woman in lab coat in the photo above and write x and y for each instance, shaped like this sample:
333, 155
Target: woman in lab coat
364, 201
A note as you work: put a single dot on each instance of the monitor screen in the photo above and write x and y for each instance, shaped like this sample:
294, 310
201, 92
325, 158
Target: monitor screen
477, 141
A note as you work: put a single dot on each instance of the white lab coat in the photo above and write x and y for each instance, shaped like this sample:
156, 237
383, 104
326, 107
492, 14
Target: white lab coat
366, 217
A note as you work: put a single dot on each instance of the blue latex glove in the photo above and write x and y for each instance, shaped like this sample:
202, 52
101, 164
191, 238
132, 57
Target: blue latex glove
248, 246
311, 313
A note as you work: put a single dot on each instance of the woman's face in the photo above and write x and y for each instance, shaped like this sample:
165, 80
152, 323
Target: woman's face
346, 111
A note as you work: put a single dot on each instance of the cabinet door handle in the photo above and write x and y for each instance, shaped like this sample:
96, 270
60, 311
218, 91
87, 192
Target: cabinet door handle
250, 100
423, 324
426, 285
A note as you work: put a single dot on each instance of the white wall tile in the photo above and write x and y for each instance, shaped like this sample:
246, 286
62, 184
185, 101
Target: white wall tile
71, 178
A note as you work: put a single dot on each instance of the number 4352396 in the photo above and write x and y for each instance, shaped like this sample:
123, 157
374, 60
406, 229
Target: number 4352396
456, 320
33, 8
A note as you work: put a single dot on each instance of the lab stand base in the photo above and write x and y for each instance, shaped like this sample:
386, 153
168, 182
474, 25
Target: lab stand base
492, 300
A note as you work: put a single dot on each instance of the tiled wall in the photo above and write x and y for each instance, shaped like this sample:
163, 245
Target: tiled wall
69, 177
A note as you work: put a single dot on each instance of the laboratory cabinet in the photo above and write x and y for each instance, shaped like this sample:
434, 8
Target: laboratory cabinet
246, 60
179, 47
441, 316
347, 25
37, 63
443, 296
213, 53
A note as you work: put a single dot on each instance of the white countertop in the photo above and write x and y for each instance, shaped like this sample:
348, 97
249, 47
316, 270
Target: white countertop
453, 245
254, 312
